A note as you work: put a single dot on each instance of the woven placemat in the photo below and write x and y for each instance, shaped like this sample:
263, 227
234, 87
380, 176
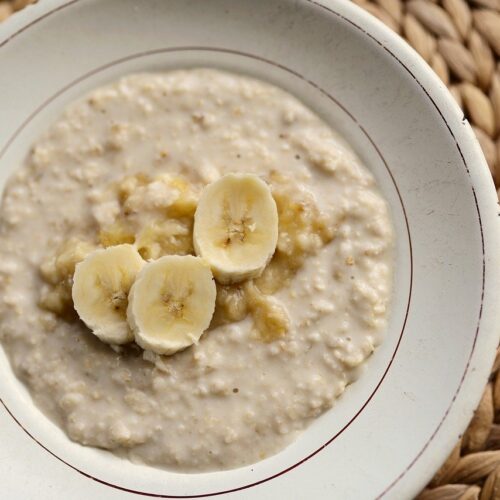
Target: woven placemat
460, 40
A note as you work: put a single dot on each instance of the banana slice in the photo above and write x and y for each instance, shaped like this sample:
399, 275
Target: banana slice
101, 284
236, 227
171, 303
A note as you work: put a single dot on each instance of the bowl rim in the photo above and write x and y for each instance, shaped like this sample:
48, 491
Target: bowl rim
485, 198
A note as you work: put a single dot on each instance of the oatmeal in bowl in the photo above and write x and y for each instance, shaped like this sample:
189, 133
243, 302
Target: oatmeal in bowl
213, 267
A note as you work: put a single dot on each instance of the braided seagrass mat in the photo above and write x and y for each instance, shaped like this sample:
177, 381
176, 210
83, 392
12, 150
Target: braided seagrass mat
460, 40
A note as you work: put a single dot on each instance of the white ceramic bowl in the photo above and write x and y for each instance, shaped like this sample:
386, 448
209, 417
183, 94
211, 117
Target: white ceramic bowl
389, 431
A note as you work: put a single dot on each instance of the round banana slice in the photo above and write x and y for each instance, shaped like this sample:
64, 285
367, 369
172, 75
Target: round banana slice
101, 284
236, 227
171, 303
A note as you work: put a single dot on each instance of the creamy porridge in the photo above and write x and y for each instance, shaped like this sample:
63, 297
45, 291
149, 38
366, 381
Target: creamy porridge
127, 166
